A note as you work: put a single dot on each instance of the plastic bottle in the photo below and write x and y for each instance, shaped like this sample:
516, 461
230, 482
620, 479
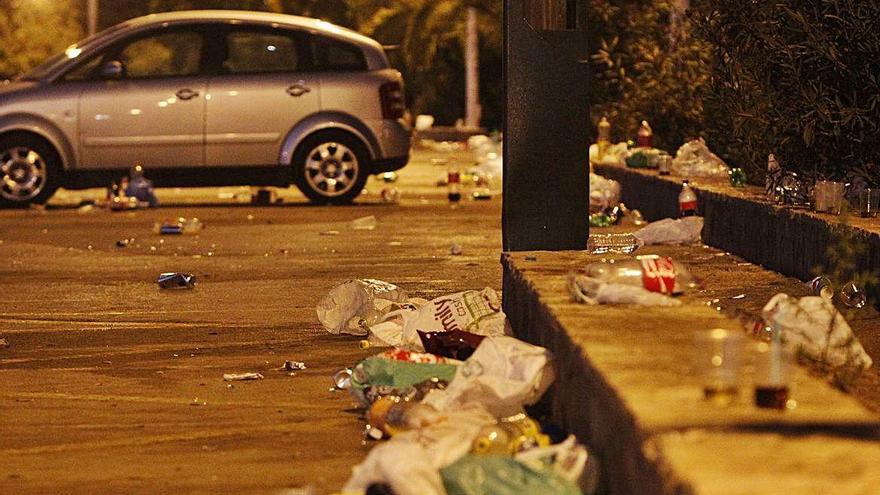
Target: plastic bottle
687, 200
453, 180
645, 136
603, 141
655, 273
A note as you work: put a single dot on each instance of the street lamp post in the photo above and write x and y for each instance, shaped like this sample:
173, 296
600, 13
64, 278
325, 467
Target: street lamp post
93, 16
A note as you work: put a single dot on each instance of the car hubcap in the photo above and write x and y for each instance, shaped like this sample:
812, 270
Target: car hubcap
22, 172
331, 169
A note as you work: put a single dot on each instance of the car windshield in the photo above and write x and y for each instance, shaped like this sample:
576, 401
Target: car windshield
71, 52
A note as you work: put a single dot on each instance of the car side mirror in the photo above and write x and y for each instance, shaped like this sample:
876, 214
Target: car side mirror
112, 70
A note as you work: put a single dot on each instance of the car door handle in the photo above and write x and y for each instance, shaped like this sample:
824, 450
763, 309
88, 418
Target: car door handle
187, 94
298, 89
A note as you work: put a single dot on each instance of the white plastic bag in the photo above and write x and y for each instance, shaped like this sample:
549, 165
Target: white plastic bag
343, 308
672, 231
473, 311
447, 436
503, 375
813, 325
603, 193
593, 291
403, 465
694, 159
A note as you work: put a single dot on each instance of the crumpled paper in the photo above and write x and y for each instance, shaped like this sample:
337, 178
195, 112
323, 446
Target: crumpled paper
603, 193
813, 325
354, 305
593, 291
672, 231
502, 375
694, 159
477, 312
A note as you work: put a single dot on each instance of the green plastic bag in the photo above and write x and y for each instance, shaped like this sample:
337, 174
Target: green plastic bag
498, 475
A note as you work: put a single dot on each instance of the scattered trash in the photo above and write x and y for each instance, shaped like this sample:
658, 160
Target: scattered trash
687, 200
737, 177
852, 296
480, 475
677, 231
389, 177
473, 311
85, 209
405, 467
399, 373
455, 344
181, 226
593, 291
645, 136
612, 243
740, 296
645, 157
814, 326
364, 223
390, 195
293, 366
694, 159
603, 193
173, 280
240, 377
651, 272
455, 249
121, 243
481, 194
264, 197
330, 232
357, 304
503, 375
141, 188
821, 286
453, 182
3, 343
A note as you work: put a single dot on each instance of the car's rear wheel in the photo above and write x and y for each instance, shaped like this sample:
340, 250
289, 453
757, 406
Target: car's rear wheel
30, 171
331, 167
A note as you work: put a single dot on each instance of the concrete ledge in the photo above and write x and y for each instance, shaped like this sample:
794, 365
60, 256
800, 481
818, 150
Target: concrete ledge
791, 241
627, 387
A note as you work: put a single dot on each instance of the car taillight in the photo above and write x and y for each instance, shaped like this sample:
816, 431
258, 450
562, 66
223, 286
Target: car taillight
393, 106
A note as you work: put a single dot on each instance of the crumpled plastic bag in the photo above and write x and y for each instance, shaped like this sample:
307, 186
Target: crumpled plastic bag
497, 475
447, 436
404, 465
356, 304
813, 325
477, 312
503, 375
396, 372
694, 159
603, 193
593, 291
568, 459
615, 154
672, 231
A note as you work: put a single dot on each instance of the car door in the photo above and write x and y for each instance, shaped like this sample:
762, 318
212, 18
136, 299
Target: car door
154, 112
263, 87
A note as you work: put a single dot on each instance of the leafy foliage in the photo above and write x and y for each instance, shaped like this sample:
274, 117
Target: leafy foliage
32, 33
800, 79
647, 67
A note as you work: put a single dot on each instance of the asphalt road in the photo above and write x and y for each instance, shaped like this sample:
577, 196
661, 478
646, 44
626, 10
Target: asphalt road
109, 385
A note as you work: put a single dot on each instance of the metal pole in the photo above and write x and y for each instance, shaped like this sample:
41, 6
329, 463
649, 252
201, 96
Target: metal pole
472, 72
93, 16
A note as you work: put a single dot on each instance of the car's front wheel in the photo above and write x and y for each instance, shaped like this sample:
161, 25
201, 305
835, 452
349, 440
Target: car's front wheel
331, 167
29, 170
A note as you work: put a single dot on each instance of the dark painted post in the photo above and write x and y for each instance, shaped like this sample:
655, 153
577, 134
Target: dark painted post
546, 147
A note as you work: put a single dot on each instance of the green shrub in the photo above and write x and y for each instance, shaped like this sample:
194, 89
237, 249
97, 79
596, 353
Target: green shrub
797, 78
647, 67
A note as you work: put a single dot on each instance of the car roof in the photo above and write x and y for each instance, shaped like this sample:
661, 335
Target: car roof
268, 18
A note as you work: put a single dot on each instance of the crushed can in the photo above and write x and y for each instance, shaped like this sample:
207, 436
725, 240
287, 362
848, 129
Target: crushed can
174, 280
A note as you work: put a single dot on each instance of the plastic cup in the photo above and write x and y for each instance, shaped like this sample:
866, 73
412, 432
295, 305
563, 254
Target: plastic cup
718, 361
773, 377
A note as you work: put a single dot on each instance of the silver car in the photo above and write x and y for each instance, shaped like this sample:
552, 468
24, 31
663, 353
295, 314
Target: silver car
206, 98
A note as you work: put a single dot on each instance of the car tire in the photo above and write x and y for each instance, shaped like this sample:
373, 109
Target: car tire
30, 170
331, 167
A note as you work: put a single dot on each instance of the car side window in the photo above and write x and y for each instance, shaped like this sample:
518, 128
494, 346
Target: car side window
337, 55
175, 53
255, 52
85, 70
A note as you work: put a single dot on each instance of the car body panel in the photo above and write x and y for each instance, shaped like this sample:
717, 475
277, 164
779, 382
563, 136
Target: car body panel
142, 121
